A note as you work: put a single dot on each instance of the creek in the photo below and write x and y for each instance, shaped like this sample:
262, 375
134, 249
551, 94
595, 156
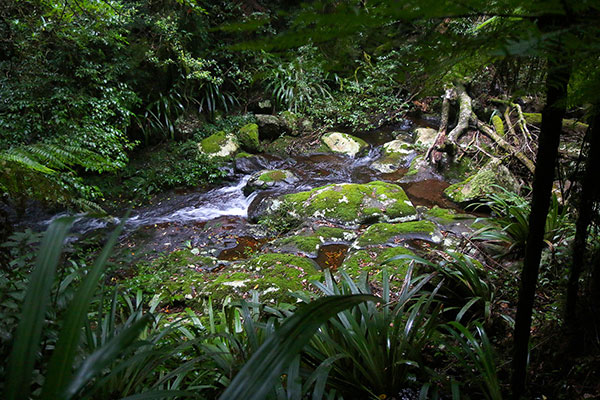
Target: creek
217, 217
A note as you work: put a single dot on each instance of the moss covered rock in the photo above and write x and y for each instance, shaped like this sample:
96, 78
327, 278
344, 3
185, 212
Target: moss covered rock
483, 183
384, 233
350, 204
267, 179
446, 216
396, 154
372, 262
425, 136
219, 145
274, 276
309, 242
248, 138
343, 143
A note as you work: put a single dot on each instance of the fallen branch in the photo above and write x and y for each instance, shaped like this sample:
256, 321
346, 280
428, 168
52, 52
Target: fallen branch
499, 140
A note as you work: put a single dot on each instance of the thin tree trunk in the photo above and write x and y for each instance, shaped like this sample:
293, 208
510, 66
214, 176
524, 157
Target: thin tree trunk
559, 72
586, 204
441, 136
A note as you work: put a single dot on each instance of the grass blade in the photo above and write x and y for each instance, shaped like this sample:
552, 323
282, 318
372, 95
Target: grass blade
102, 357
37, 298
61, 363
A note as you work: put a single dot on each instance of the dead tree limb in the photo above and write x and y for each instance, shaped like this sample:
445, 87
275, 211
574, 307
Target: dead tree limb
500, 141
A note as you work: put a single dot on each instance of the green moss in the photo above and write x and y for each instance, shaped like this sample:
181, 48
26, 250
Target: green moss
306, 244
273, 176
213, 143
458, 171
413, 168
536, 119
243, 154
175, 276
273, 275
353, 203
498, 125
248, 137
371, 261
384, 233
473, 187
445, 216
281, 145
310, 243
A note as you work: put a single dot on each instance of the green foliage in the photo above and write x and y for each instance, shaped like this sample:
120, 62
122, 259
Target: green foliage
378, 349
297, 84
171, 165
369, 98
509, 225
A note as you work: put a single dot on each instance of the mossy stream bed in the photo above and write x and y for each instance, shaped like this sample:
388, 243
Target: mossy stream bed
331, 211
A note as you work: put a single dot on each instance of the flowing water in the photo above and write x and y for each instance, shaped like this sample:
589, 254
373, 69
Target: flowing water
223, 209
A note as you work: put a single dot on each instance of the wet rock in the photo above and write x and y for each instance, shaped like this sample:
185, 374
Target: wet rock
384, 233
483, 183
266, 179
349, 204
219, 145
420, 170
343, 143
248, 138
248, 163
396, 154
270, 127
425, 136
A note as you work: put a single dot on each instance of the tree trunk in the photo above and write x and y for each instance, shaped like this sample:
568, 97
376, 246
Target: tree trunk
586, 204
559, 72
433, 150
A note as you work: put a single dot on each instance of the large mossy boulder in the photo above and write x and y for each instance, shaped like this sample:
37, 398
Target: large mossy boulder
274, 276
267, 179
343, 143
395, 154
270, 127
485, 182
384, 233
219, 144
248, 138
349, 204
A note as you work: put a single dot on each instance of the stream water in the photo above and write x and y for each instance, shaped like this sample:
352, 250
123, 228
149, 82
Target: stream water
219, 216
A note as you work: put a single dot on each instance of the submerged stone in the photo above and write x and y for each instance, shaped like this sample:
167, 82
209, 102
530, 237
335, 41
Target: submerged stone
343, 143
350, 204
